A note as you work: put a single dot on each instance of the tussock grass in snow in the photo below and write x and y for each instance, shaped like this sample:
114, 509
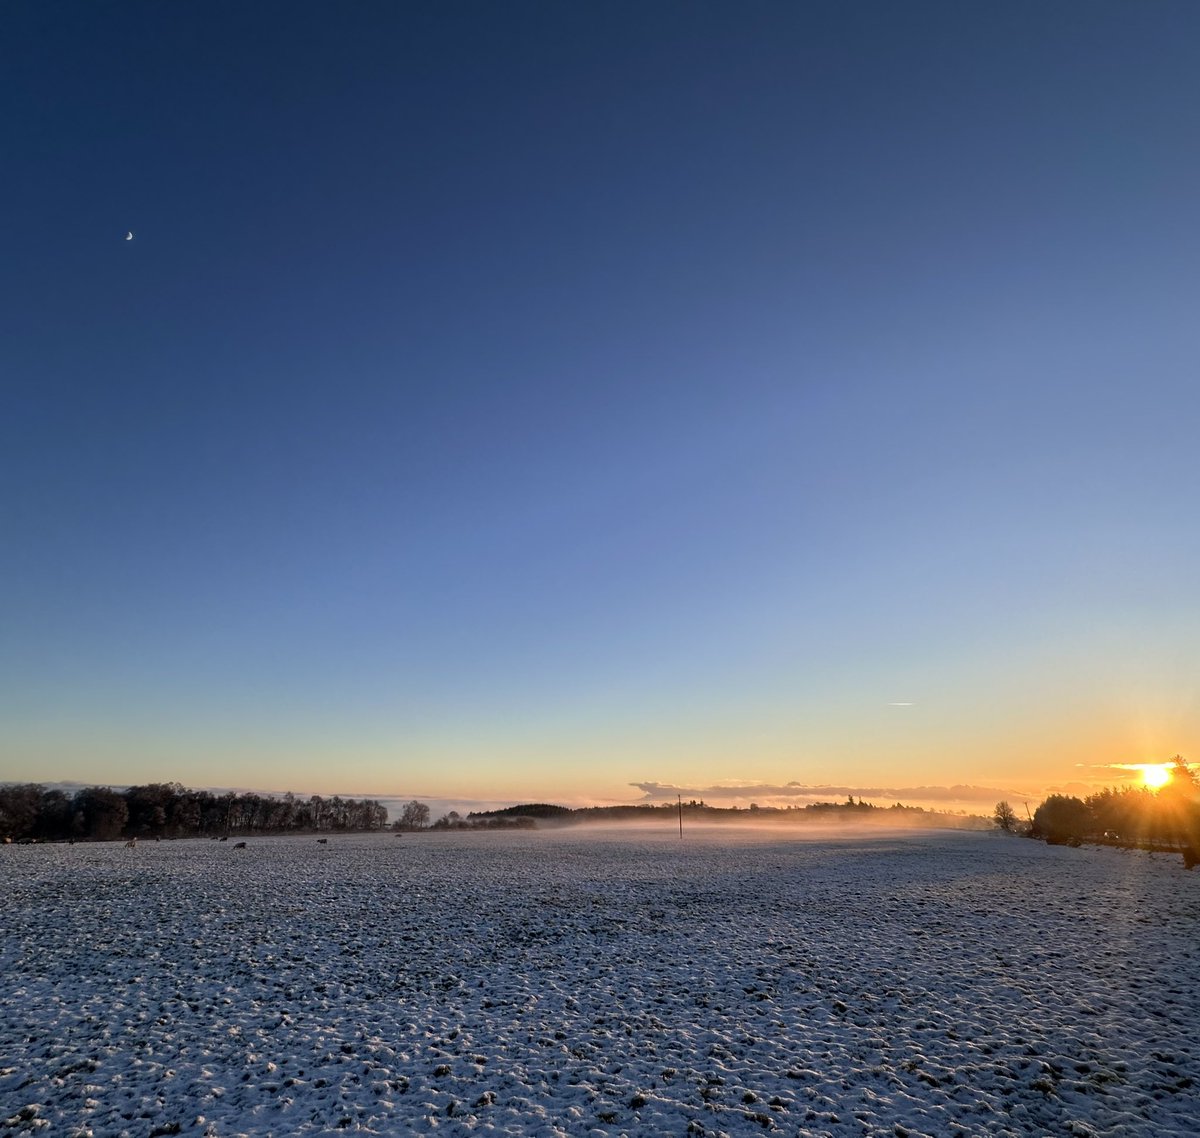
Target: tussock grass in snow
598, 983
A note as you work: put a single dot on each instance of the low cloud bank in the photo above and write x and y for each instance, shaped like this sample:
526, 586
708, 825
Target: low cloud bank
959, 796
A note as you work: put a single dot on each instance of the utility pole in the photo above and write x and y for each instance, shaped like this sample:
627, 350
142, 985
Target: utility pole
680, 798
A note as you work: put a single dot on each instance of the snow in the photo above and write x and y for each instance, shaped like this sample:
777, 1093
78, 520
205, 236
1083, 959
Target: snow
603, 983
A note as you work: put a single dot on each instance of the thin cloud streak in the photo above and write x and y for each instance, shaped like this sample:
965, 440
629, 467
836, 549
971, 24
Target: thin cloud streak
1119, 772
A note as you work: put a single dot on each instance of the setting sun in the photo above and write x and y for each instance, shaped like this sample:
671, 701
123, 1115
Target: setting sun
1156, 775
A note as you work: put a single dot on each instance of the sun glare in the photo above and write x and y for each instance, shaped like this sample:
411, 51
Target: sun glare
1155, 775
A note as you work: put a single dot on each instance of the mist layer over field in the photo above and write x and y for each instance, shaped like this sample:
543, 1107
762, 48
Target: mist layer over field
591, 982
756, 826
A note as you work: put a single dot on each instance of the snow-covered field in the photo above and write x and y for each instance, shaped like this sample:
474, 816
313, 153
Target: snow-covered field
603, 983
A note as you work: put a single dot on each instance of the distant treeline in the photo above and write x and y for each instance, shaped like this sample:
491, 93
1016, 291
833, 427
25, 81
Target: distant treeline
1167, 818
696, 810
168, 810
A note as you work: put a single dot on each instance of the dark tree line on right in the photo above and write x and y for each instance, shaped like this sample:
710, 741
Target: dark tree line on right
1166, 818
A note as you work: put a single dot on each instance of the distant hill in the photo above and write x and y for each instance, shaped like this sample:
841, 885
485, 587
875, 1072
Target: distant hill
830, 813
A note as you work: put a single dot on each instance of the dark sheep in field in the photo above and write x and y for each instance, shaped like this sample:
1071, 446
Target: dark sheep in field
322, 841
240, 846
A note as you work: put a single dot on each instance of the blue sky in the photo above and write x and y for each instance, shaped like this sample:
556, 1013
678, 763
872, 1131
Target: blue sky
537, 400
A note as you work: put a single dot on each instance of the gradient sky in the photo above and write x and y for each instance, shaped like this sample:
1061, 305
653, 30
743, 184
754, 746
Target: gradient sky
573, 401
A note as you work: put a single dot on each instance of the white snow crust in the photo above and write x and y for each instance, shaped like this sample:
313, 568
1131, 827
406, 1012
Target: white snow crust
598, 983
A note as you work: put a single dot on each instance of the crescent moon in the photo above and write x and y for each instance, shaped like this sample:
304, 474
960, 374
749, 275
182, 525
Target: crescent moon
129, 236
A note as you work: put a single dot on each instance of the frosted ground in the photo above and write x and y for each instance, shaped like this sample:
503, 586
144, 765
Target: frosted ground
573, 984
